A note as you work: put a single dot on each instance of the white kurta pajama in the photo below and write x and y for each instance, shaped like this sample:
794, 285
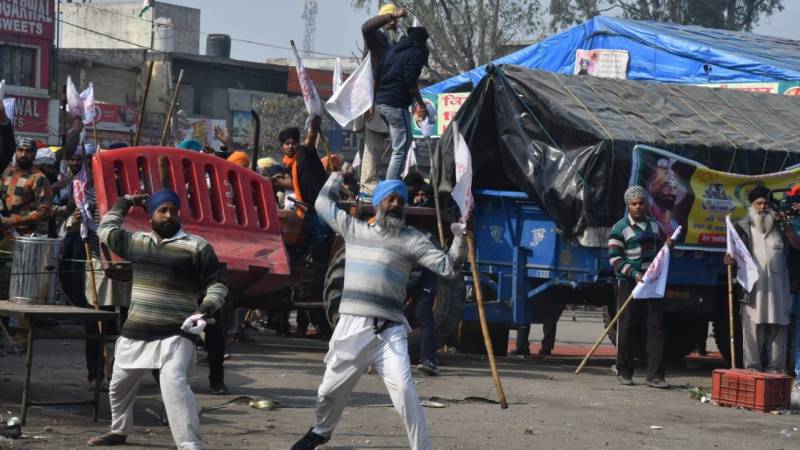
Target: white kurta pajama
765, 317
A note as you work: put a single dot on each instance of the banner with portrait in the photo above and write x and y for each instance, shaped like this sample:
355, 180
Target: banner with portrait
686, 193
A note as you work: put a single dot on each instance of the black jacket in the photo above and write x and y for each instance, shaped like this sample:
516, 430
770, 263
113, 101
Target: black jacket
399, 72
8, 144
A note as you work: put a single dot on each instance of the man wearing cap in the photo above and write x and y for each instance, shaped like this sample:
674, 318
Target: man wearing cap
171, 271
632, 246
372, 328
26, 194
766, 309
397, 88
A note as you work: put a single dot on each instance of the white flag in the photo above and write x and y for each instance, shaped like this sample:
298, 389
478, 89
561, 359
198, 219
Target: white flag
746, 269
337, 76
355, 95
462, 191
654, 281
357, 159
8, 103
74, 101
307, 87
87, 100
411, 160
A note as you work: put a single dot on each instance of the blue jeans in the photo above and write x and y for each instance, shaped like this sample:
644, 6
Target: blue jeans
399, 120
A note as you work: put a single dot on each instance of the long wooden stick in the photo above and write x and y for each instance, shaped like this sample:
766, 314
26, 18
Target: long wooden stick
140, 119
93, 284
730, 316
487, 341
435, 186
171, 109
605, 333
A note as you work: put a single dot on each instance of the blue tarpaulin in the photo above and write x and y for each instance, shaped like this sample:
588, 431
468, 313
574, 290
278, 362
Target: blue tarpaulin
658, 52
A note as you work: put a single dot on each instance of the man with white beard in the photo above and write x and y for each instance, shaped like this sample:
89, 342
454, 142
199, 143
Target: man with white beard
766, 309
372, 329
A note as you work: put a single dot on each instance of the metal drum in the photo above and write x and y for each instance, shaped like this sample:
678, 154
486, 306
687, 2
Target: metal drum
34, 270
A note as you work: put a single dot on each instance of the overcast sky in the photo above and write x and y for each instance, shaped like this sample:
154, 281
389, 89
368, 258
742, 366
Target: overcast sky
338, 25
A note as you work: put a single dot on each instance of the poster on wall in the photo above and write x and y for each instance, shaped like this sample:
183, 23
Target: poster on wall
688, 194
209, 132
242, 128
602, 63
446, 107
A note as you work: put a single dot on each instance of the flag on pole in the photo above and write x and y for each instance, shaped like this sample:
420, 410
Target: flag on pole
74, 101
654, 281
146, 4
337, 76
746, 269
87, 101
310, 94
411, 160
357, 160
355, 95
462, 191
8, 103
79, 185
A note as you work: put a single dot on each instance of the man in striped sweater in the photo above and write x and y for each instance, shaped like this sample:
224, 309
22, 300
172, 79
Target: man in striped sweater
172, 272
633, 245
372, 329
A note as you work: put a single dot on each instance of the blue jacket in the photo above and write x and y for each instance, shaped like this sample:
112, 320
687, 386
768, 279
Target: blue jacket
399, 71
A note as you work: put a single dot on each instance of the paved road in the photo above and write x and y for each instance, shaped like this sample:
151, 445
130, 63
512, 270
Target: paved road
551, 407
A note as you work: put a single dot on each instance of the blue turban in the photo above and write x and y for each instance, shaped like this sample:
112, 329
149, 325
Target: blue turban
388, 187
159, 198
90, 149
190, 144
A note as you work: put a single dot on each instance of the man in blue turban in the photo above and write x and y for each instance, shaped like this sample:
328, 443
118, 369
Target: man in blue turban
372, 329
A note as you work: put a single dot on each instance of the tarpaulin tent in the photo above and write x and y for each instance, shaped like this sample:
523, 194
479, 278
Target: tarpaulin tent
657, 52
567, 140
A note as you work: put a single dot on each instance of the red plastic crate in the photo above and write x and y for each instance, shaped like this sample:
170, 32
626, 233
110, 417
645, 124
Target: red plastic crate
752, 390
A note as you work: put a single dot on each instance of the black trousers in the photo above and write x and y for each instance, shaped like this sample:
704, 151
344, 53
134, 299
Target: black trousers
424, 294
640, 312
215, 347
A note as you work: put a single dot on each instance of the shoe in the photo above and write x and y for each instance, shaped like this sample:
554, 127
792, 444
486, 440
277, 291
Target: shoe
219, 389
624, 381
310, 441
428, 368
520, 351
658, 383
107, 440
545, 351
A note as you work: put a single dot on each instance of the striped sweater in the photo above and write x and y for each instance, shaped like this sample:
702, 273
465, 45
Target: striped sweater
378, 264
632, 246
169, 278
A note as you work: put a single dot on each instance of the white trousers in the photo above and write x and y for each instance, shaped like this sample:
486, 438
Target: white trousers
763, 337
179, 400
353, 347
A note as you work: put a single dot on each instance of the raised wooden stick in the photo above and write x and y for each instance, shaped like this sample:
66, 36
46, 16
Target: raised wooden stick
487, 341
93, 284
171, 109
605, 333
439, 225
140, 119
730, 316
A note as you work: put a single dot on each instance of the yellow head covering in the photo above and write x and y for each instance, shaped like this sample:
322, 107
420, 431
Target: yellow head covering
265, 163
389, 8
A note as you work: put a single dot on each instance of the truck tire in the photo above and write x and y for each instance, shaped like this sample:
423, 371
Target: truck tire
446, 306
678, 342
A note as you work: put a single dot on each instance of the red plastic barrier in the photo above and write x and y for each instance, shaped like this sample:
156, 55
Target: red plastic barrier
232, 207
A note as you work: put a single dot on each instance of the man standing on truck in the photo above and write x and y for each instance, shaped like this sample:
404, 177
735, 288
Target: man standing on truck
766, 309
632, 246
372, 329
171, 271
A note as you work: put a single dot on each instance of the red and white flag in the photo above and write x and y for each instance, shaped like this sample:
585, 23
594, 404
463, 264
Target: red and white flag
79, 186
307, 87
8, 103
462, 191
87, 100
411, 160
746, 269
74, 101
357, 159
654, 281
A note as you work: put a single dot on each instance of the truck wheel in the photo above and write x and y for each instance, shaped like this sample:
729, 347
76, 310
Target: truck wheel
446, 306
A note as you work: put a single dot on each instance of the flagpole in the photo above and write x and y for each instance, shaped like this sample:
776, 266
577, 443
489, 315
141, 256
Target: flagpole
730, 316
605, 333
171, 109
439, 225
93, 284
140, 119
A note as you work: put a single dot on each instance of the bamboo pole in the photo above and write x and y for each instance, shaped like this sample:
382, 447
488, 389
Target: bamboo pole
140, 119
171, 109
730, 316
93, 284
605, 333
487, 341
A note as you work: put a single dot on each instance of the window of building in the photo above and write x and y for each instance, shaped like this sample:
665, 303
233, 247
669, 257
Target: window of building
18, 65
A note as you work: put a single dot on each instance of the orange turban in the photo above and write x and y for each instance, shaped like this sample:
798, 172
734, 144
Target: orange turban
239, 158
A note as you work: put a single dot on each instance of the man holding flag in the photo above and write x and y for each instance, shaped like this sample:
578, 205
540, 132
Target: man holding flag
763, 271
632, 247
